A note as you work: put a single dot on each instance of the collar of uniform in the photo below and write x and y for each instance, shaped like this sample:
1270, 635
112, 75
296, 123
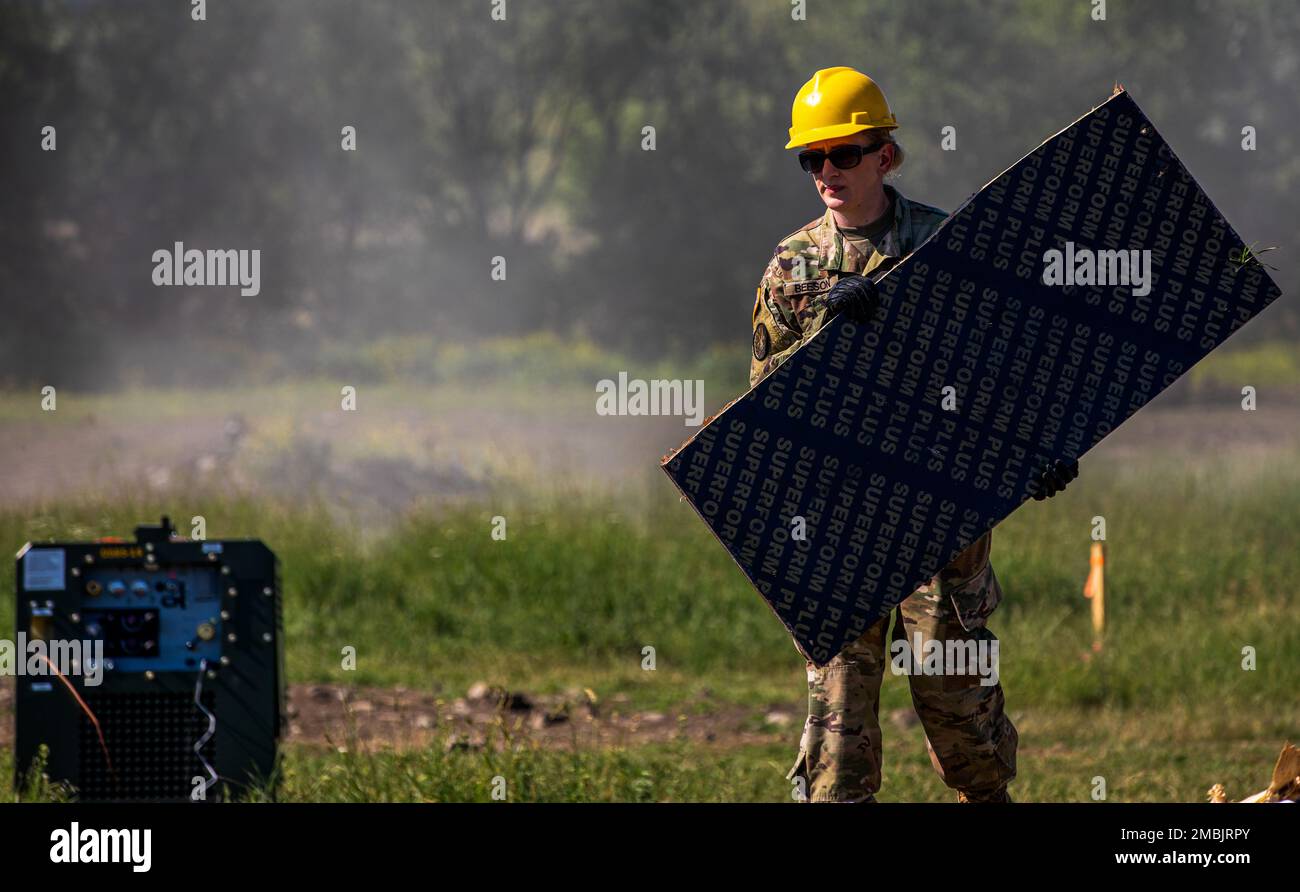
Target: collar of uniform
831, 240
889, 242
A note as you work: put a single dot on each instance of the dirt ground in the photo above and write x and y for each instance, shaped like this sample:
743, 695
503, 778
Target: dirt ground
401, 718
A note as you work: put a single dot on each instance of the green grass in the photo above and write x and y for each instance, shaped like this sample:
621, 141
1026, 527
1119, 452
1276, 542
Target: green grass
1199, 566
280, 400
543, 358
397, 371
418, 370
1272, 365
1153, 756
1059, 758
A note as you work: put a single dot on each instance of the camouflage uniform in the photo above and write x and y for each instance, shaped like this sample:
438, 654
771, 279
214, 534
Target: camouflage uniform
971, 740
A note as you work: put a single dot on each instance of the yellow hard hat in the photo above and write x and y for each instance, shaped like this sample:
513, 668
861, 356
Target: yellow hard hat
837, 102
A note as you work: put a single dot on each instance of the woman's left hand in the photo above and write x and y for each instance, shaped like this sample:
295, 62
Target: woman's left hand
1054, 479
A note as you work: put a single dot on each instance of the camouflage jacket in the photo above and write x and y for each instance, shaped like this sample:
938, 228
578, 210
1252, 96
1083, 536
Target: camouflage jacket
790, 304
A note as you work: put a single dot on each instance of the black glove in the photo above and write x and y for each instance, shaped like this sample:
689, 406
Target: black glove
853, 296
1053, 480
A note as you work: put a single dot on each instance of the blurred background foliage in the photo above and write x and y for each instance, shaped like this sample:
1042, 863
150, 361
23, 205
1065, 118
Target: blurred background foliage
523, 139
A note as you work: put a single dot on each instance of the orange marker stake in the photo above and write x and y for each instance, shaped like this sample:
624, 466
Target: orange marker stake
1095, 588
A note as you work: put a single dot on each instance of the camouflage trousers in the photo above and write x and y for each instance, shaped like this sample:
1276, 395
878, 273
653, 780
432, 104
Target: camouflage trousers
971, 740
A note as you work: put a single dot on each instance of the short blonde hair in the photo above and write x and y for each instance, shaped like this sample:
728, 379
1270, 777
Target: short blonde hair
899, 154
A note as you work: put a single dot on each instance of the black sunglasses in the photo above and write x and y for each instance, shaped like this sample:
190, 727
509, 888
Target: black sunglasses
845, 157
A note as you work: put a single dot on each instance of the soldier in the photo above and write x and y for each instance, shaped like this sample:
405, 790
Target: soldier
846, 129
